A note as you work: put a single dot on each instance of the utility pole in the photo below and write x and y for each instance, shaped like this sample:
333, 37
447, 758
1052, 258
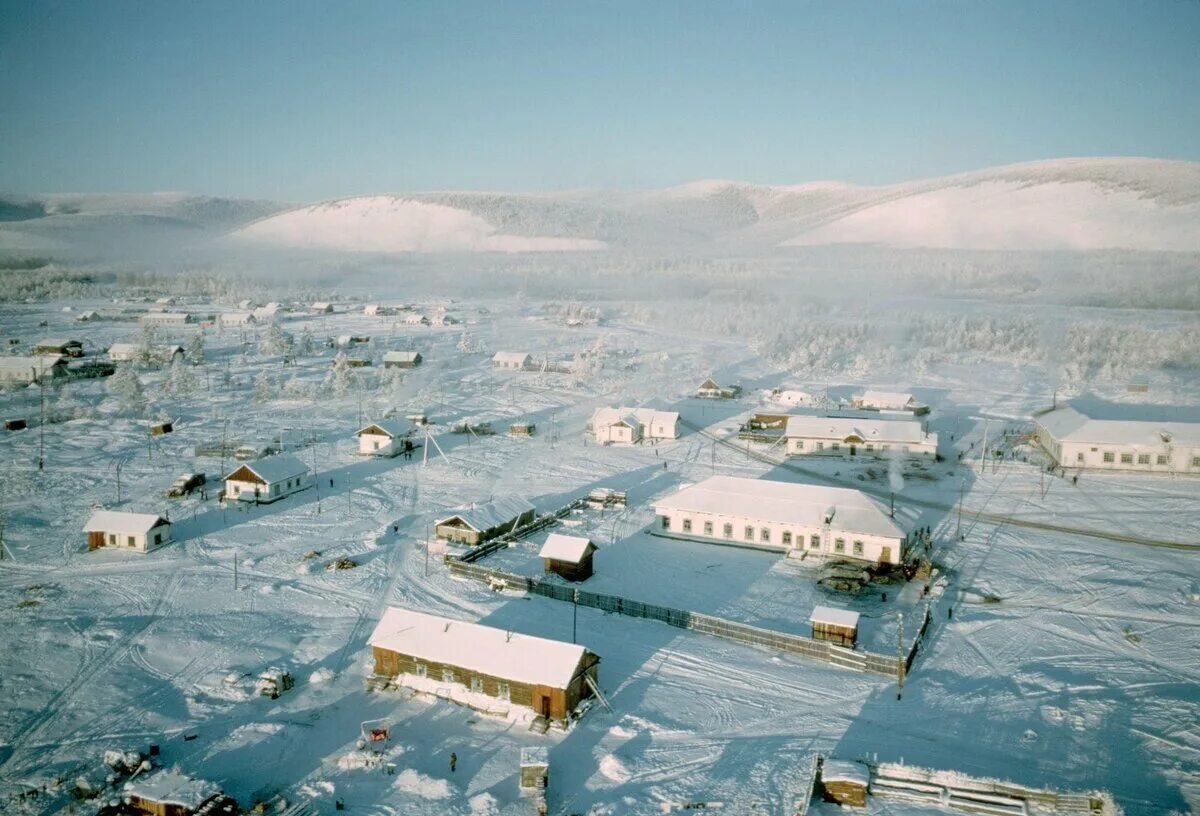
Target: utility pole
983, 451
42, 420
899, 654
428, 541
119, 463
235, 575
574, 613
958, 527
316, 480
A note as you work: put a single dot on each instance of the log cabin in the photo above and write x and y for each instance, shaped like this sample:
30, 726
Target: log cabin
838, 626
568, 556
402, 359
170, 793
477, 525
469, 663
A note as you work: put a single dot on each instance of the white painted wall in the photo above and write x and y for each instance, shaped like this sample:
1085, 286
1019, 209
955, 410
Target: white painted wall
812, 446
244, 491
1161, 458
378, 445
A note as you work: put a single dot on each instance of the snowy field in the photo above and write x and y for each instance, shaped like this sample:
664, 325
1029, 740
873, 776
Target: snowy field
1070, 660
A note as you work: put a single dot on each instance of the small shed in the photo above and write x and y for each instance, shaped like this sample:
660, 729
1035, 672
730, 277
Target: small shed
568, 556
170, 793
514, 360
161, 428
358, 362
140, 532
321, 307
477, 525
535, 770
402, 359
15, 425
522, 429
384, 438
58, 347
273, 682
838, 626
844, 782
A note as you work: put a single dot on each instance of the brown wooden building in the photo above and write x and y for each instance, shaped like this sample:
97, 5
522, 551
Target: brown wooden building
469, 662
477, 525
170, 793
568, 556
838, 626
844, 782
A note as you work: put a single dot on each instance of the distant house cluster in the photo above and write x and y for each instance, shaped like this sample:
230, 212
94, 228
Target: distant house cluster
628, 426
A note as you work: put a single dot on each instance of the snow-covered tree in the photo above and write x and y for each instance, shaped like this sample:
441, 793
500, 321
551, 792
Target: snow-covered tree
126, 386
195, 348
305, 346
274, 342
181, 380
264, 387
342, 377
147, 347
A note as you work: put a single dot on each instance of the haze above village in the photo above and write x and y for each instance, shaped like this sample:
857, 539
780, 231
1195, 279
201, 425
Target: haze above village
607, 491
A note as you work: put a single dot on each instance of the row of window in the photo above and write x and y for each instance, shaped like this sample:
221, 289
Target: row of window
131, 541
502, 690
1142, 458
868, 447
764, 535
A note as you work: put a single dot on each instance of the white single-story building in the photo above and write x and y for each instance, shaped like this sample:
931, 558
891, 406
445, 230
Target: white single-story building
131, 352
511, 359
27, 370
854, 436
374, 310
166, 319
416, 320
321, 307
790, 398
140, 532
629, 425
1076, 441
267, 480
835, 522
872, 400
268, 311
236, 319
402, 359
383, 438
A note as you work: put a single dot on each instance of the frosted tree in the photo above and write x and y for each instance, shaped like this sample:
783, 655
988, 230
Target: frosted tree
195, 349
126, 386
67, 406
342, 378
274, 342
146, 352
181, 380
305, 346
296, 389
469, 345
264, 388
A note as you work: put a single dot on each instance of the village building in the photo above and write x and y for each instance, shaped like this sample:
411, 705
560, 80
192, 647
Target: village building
522, 429
623, 425
833, 522
268, 311
58, 347
166, 319
857, 436
27, 370
477, 525
872, 400
568, 556
435, 654
838, 626
515, 360
90, 316
374, 310
267, 480
1077, 441
321, 307
402, 359
236, 319
846, 783
416, 320
791, 398
170, 793
384, 438
140, 532
132, 352
709, 389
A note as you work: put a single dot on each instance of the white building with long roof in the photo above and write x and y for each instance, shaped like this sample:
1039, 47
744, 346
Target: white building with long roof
140, 532
856, 436
268, 479
629, 425
1075, 440
836, 522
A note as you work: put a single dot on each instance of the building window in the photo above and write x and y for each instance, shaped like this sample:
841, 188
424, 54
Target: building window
477, 685
665, 522
799, 444
870, 447
1108, 457
1079, 456
1143, 458
1196, 461
447, 675
1126, 458
749, 532
814, 542
687, 525
502, 690
112, 539
765, 535
708, 528
787, 538
836, 446
839, 545
132, 541
820, 446
421, 670
885, 448
1162, 460
158, 538
728, 530
858, 548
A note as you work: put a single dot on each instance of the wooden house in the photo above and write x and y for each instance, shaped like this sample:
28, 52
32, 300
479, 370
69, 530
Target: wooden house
140, 532
477, 525
166, 319
709, 389
838, 626
161, 428
844, 782
58, 347
512, 360
833, 522
358, 362
415, 319
522, 429
858, 436
132, 352
27, 370
267, 480
268, 311
373, 310
236, 319
321, 307
387, 437
402, 359
568, 556
170, 793
475, 664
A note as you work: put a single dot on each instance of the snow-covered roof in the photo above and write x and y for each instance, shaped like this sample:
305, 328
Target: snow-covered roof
168, 315
25, 362
390, 427
510, 357
785, 503
172, 787
401, 356
493, 514
841, 770
834, 617
708, 385
320, 304
901, 431
643, 416
570, 549
1069, 425
276, 468
55, 342
122, 348
483, 649
115, 521
233, 317
887, 399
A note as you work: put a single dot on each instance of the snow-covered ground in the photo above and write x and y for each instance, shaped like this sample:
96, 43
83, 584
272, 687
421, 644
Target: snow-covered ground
1070, 660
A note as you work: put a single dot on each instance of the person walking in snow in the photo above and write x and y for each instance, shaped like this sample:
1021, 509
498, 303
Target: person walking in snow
453, 761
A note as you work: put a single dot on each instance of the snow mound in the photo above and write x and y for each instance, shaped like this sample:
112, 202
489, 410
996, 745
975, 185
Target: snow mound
321, 676
484, 804
395, 224
613, 769
414, 782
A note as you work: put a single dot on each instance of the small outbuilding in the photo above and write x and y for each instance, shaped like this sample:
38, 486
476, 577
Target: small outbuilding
535, 770
838, 626
477, 525
522, 429
58, 347
844, 782
15, 425
402, 359
140, 532
416, 320
170, 793
321, 307
568, 556
709, 389
384, 438
512, 360
162, 428
269, 479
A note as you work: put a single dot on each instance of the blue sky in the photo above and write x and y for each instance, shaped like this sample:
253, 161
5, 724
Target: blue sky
300, 100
